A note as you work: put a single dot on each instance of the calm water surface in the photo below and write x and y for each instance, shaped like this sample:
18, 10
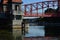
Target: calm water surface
35, 31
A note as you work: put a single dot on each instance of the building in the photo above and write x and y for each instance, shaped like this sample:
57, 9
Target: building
11, 16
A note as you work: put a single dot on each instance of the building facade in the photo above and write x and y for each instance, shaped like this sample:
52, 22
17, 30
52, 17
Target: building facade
11, 16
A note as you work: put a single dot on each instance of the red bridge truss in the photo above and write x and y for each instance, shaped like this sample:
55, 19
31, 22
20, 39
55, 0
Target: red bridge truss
37, 9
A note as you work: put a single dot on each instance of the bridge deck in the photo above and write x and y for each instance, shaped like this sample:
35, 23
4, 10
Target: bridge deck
37, 15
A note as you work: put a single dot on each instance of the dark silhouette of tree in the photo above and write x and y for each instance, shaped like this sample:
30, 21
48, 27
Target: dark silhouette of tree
50, 11
57, 10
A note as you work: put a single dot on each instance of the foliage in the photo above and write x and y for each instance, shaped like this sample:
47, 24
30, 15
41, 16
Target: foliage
50, 10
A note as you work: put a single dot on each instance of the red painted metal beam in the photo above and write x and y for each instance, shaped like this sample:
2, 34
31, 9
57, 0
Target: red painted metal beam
25, 9
32, 9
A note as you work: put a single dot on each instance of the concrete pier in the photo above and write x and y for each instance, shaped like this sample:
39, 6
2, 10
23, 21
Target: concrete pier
26, 27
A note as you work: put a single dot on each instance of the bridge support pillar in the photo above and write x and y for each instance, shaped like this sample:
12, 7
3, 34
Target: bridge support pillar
25, 27
18, 17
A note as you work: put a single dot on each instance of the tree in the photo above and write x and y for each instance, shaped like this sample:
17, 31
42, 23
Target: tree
50, 11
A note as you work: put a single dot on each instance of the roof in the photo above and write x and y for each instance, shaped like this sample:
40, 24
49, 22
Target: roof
18, 1
5, 1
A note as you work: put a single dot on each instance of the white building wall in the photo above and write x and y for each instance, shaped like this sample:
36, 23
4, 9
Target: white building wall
17, 22
18, 12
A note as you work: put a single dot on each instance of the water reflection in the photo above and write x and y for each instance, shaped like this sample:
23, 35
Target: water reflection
5, 35
35, 31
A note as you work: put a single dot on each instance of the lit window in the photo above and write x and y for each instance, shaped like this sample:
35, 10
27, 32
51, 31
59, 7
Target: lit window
4, 8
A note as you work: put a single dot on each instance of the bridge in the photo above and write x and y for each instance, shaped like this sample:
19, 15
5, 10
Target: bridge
50, 19
38, 9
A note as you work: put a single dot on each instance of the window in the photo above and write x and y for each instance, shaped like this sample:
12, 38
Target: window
18, 17
16, 7
4, 8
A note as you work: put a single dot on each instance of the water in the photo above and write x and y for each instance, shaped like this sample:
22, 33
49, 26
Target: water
35, 31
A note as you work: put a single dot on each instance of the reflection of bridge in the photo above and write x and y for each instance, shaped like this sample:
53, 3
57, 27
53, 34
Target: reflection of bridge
37, 9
